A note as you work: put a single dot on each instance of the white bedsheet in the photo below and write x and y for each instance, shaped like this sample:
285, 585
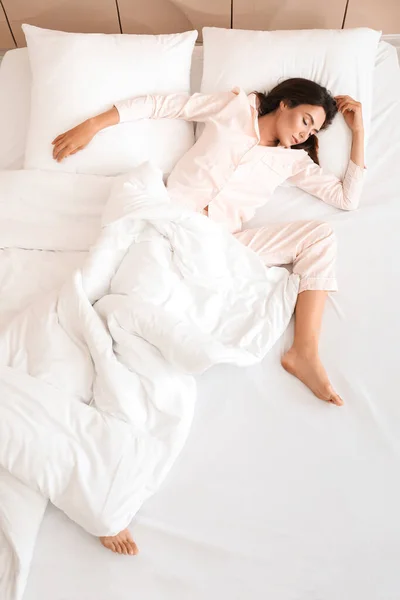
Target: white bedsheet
276, 495
150, 307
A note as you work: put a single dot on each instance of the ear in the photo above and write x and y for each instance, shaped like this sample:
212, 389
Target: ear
282, 105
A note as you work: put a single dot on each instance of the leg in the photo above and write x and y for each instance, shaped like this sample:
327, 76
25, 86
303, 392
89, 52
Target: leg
122, 543
310, 247
302, 360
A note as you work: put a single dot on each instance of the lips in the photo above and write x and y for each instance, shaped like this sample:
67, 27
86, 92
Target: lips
296, 141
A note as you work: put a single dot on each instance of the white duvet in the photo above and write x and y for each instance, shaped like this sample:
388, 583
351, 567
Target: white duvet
96, 378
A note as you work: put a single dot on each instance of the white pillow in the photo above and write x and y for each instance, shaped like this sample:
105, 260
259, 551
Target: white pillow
15, 91
76, 76
343, 61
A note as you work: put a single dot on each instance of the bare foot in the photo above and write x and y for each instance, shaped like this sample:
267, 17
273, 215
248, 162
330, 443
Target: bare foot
121, 543
309, 369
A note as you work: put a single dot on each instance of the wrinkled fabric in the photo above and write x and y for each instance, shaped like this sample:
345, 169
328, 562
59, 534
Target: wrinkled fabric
309, 246
227, 170
96, 379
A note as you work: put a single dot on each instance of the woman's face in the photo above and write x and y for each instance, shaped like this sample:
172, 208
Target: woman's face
295, 125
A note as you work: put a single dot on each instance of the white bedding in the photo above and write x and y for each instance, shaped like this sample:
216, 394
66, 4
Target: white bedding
150, 306
15, 84
275, 494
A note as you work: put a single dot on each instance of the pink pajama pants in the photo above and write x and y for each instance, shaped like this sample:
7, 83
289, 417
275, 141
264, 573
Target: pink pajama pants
307, 245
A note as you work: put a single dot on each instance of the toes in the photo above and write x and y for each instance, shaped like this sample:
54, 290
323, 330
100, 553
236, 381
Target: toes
121, 544
109, 544
130, 545
133, 549
118, 548
125, 547
122, 548
336, 399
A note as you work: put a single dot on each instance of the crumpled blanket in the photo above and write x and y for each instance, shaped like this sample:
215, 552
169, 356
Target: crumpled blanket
96, 379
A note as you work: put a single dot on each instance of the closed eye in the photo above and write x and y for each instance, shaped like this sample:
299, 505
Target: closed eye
314, 131
312, 123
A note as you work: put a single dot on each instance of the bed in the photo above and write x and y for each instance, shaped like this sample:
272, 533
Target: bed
275, 495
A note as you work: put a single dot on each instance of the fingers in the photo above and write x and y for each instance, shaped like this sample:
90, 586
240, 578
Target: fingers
76, 150
58, 138
346, 100
63, 152
64, 149
59, 143
59, 149
347, 103
349, 106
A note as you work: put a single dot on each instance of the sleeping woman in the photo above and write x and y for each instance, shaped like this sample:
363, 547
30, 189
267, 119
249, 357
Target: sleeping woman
250, 145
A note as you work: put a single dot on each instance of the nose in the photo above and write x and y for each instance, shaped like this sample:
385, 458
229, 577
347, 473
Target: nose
303, 135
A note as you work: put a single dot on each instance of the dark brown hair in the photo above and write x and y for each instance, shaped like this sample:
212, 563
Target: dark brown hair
296, 91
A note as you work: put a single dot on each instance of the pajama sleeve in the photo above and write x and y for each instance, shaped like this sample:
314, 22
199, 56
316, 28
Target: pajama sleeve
344, 194
197, 107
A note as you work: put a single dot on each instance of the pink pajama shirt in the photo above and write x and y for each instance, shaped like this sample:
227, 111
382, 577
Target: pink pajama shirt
227, 174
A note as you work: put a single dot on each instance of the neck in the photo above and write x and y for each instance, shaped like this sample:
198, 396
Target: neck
266, 125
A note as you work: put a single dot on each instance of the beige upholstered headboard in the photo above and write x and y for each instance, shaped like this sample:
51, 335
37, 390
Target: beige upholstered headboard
167, 16
6, 40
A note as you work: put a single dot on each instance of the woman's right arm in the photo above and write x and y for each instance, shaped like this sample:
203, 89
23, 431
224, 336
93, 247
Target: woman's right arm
79, 137
198, 107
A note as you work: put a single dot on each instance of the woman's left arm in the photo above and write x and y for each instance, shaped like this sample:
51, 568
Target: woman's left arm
341, 194
352, 114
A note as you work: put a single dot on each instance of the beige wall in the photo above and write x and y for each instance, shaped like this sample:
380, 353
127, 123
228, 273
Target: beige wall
170, 16
378, 14
288, 14
6, 40
166, 16
74, 15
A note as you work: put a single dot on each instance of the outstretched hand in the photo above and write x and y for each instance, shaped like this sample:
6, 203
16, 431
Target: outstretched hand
73, 140
351, 111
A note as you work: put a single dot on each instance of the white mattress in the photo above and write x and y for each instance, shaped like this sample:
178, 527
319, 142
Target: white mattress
276, 494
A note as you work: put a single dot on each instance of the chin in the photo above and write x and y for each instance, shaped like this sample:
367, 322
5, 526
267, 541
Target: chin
288, 142
285, 141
